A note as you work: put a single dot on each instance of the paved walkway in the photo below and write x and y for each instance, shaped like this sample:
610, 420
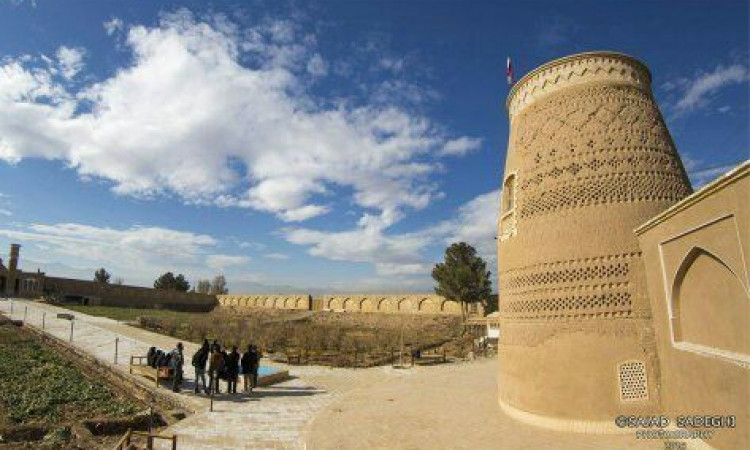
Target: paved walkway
449, 406
271, 417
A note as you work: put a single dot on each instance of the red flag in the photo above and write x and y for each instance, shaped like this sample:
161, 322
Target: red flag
509, 72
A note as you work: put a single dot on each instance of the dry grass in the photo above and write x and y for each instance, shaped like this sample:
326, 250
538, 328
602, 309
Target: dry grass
342, 339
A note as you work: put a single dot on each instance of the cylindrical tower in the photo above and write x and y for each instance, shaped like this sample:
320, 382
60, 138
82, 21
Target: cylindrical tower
15, 249
589, 159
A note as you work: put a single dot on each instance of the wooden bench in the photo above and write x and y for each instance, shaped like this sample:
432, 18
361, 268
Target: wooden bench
293, 355
139, 365
432, 356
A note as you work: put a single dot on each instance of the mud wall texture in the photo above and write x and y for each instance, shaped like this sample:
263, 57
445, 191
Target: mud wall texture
695, 256
589, 159
94, 293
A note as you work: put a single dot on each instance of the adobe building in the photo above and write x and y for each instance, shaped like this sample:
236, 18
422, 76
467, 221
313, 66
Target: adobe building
583, 329
15, 282
696, 255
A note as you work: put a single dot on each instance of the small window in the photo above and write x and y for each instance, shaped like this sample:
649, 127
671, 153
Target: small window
509, 193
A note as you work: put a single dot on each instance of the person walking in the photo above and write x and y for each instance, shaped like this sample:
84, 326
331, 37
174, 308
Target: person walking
233, 370
200, 358
215, 368
175, 362
247, 371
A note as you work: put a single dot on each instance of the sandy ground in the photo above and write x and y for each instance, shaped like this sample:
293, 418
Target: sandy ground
450, 406
445, 407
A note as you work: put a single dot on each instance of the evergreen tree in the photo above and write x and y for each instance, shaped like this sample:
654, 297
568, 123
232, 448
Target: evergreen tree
102, 276
169, 282
463, 277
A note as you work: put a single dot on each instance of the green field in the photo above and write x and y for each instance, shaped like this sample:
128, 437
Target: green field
130, 314
40, 386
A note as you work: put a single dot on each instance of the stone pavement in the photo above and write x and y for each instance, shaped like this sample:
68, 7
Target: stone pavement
271, 417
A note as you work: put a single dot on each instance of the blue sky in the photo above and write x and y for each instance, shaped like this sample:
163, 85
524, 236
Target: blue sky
309, 146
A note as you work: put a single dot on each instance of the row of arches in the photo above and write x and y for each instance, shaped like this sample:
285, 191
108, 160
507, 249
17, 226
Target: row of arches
257, 301
426, 305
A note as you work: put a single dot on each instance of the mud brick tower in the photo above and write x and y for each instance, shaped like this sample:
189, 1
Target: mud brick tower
589, 159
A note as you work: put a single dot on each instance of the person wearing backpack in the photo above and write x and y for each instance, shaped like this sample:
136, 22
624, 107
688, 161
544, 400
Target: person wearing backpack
200, 358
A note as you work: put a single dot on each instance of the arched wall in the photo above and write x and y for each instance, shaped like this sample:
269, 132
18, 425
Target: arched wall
402, 304
265, 301
708, 299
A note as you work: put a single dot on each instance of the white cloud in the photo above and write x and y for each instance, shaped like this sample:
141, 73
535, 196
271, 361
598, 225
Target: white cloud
476, 224
136, 252
403, 254
317, 66
5, 212
222, 262
276, 256
114, 25
213, 130
460, 146
70, 61
701, 176
697, 93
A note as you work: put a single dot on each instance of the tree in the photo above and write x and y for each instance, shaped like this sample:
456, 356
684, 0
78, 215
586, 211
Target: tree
463, 277
169, 282
102, 276
219, 285
203, 286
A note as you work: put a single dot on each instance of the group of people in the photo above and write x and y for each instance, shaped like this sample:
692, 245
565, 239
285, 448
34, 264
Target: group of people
174, 360
227, 366
222, 365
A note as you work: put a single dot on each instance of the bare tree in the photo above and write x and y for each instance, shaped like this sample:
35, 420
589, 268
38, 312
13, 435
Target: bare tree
219, 285
203, 286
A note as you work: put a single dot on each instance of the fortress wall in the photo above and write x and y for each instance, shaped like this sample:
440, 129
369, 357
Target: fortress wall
129, 296
410, 303
275, 301
589, 159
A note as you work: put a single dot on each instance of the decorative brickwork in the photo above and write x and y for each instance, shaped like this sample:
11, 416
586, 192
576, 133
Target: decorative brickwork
633, 384
590, 159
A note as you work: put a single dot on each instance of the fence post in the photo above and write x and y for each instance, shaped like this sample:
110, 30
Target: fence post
44, 315
25, 313
174, 442
71, 331
11, 309
117, 342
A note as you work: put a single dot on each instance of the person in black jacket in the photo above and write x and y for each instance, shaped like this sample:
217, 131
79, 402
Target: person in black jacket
247, 369
233, 370
255, 356
199, 362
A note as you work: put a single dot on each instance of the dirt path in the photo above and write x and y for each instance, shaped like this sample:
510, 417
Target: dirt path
450, 406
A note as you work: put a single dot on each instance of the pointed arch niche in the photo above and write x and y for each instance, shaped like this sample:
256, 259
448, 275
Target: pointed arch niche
710, 305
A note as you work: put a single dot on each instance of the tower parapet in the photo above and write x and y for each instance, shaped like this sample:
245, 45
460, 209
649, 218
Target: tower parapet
589, 159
